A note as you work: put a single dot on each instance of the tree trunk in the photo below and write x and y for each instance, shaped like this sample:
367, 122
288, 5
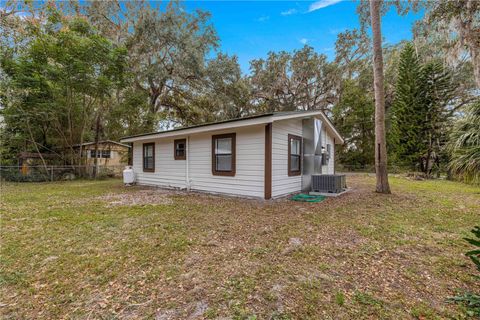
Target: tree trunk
380, 140
97, 138
428, 161
427, 170
36, 147
472, 43
475, 53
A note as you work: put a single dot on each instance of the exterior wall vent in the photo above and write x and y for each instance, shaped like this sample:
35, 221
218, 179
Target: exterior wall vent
329, 183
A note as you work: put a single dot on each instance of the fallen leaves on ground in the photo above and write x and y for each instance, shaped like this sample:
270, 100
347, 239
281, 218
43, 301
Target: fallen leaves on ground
99, 250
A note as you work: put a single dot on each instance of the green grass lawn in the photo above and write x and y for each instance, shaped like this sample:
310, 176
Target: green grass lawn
95, 249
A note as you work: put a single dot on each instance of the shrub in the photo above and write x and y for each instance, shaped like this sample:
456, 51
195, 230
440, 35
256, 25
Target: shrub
14, 175
474, 255
472, 300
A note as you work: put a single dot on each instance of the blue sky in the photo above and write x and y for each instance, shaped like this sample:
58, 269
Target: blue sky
250, 29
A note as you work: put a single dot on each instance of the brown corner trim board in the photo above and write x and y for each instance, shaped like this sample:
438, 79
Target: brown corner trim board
268, 162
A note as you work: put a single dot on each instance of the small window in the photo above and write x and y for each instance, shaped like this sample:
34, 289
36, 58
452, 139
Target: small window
223, 154
100, 154
294, 155
149, 157
180, 151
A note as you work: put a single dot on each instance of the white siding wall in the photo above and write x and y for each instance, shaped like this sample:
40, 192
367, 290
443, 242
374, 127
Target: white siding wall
168, 171
249, 177
282, 184
248, 180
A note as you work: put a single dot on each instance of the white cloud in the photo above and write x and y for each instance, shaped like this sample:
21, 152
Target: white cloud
263, 18
288, 12
303, 41
322, 4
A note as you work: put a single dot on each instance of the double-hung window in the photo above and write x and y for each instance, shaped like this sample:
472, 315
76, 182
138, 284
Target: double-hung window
149, 157
294, 155
180, 152
100, 154
223, 154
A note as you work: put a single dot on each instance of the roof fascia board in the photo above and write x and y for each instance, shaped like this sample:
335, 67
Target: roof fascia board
236, 124
338, 137
101, 142
212, 127
307, 114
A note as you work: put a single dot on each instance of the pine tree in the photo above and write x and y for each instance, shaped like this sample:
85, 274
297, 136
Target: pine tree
405, 139
436, 94
420, 112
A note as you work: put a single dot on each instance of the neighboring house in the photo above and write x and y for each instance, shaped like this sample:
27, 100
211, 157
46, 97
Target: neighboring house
26, 159
264, 156
109, 153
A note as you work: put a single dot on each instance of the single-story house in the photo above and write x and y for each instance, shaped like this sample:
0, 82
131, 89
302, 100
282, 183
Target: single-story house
263, 156
35, 159
31, 160
109, 153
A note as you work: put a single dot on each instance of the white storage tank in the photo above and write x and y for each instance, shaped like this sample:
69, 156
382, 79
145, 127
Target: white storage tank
128, 175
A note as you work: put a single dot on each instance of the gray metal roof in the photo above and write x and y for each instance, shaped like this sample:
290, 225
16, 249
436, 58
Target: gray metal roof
102, 141
280, 113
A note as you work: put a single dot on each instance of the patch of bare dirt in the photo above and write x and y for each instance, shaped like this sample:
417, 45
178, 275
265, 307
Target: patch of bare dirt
139, 198
191, 311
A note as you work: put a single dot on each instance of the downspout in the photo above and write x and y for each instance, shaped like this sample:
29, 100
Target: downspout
334, 158
318, 145
325, 144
